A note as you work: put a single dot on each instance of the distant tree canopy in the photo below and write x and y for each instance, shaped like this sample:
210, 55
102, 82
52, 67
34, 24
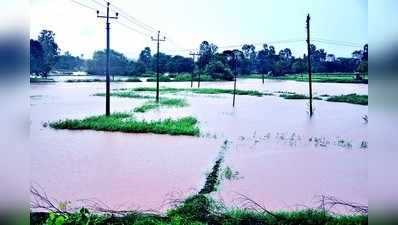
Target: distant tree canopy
219, 65
44, 53
120, 65
67, 62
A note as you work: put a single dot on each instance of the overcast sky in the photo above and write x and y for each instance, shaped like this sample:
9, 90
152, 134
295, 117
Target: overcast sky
186, 23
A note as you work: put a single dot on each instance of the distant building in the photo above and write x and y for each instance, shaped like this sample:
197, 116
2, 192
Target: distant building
330, 58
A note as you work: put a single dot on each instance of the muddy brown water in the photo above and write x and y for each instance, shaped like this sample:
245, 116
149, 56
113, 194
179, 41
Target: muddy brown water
283, 158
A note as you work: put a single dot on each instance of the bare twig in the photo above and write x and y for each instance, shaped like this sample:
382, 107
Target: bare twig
327, 203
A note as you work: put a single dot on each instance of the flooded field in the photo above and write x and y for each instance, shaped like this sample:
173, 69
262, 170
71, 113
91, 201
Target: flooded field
280, 157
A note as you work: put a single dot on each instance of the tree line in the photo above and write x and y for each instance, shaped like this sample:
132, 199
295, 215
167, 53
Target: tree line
45, 57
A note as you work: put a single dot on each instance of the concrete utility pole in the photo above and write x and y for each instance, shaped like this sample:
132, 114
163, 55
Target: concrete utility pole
107, 17
309, 63
157, 64
193, 54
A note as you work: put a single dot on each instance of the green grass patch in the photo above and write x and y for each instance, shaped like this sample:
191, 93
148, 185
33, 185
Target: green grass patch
165, 102
294, 96
125, 94
41, 80
318, 78
101, 80
125, 122
208, 91
161, 79
351, 98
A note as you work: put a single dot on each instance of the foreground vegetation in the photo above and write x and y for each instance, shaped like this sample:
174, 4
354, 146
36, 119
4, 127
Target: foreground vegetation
125, 122
200, 210
165, 102
351, 98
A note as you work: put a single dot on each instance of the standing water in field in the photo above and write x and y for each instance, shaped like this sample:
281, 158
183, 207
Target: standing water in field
282, 157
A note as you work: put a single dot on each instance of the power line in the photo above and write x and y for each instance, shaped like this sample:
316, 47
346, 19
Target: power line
98, 3
337, 41
84, 5
338, 44
135, 30
133, 19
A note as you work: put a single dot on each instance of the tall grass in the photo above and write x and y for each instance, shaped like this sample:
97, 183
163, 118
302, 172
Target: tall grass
165, 102
351, 98
124, 122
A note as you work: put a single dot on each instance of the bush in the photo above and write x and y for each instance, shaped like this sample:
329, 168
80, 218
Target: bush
217, 70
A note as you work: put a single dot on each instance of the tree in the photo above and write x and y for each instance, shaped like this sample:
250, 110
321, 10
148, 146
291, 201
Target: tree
163, 62
179, 64
67, 62
36, 58
50, 50
249, 63
363, 67
299, 66
207, 51
217, 70
119, 63
145, 58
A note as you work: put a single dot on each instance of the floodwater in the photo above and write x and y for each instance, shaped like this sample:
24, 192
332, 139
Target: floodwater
280, 156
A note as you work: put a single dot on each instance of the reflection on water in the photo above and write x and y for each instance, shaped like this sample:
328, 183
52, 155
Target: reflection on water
280, 156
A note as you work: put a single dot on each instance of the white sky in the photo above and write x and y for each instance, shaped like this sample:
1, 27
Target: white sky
188, 22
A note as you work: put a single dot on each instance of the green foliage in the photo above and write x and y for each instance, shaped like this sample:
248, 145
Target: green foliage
293, 96
102, 80
218, 71
50, 51
208, 91
82, 217
67, 62
197, 208
322, 78
161, 79
120, 64
125, 94
166, 102
124, 122
41, 80
363, 67
200, 210
351, 98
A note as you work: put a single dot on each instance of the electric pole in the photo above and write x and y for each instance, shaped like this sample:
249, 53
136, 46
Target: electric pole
193, 54
107, 17
157, 64
309, 62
